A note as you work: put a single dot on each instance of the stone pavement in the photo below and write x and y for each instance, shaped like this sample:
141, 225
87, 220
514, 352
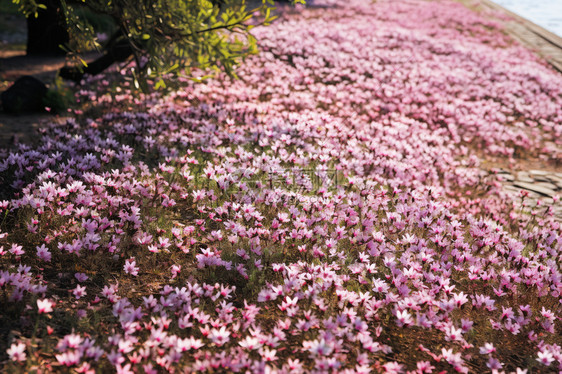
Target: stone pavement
543, 187
545, 43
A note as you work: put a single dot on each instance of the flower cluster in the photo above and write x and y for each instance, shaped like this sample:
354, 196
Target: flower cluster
324, 213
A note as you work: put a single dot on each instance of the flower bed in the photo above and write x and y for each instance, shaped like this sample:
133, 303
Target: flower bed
325, 212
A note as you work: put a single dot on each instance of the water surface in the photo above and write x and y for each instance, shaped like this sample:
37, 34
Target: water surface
545, 13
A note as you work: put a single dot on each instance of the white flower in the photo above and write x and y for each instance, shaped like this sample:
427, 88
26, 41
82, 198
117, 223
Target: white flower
17, 352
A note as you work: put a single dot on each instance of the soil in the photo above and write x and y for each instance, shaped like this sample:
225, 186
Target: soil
14, 64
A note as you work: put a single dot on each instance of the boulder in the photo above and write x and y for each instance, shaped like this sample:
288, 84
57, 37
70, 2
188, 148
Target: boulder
25, 95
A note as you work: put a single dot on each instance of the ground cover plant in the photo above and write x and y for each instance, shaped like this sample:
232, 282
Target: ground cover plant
327, 212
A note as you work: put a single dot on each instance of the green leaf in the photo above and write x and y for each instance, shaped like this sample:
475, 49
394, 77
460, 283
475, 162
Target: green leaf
177, 35
160, 84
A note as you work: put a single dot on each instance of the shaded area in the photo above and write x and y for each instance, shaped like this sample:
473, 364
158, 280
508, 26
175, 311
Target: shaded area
47, 32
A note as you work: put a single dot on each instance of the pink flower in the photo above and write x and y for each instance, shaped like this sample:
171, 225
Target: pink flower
130, 267
195, 343
487, 349
17, 250
17, 352
250, 343
45, 306
124, 369
79, 291
466, 325
424, 367
268, 355
81, 277
452, 333
545, 358
294, 365
393, 368
548, 314
219, 337
494, 364
176, 269
69, 358
43, 253
319, 347
403, 318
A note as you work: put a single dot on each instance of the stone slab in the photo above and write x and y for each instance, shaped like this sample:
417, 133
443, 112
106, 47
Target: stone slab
535, 187
548, 185
541, 173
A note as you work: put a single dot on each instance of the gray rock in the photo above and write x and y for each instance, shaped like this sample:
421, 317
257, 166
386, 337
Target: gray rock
547, 201
548, 185
534, 195
538, 172
556, 180
24, 96
512, 188
545, 179
535, 187
524, 177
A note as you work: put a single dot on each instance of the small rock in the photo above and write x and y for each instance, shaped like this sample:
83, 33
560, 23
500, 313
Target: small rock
531, 203
535, 187
545, 179
548, 185
512, 189
524, 177
554, 179
25, 95
539, 172
534, 195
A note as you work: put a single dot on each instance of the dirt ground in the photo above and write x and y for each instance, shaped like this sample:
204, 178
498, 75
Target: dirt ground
14, 64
